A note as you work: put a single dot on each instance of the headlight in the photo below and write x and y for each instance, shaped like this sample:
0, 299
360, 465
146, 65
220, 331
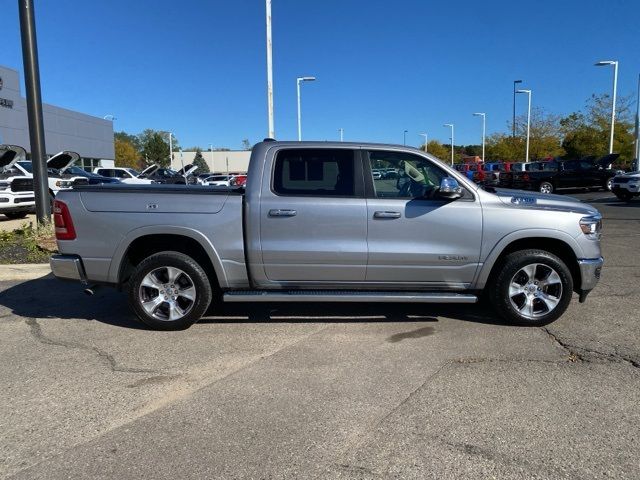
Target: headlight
64, 183
591, 226
4, 185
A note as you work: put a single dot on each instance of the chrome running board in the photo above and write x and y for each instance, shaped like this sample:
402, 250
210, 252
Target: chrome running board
346, 296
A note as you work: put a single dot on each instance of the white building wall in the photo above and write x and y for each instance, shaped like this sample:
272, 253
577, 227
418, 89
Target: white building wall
90, 136
238, 161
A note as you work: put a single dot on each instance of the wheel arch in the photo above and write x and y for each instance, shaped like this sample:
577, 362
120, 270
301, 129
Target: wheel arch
562, 245
145, 241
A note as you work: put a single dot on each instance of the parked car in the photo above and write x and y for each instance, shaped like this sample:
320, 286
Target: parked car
94, 179
313, 225
167, 176
589, 172
626, 186
125, 175
16, 188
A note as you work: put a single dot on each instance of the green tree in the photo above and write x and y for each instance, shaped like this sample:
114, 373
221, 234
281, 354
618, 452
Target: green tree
126, 154
438, 150
126, 137
200, 162
587, 133
155, 147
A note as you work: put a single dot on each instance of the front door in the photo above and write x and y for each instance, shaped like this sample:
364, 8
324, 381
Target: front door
415, 238
313, 220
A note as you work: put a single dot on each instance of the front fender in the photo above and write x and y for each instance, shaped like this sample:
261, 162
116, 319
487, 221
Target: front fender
491, 259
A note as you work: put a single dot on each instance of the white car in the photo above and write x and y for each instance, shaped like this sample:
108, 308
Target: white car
218, 180
626, 186
16, 188
125, 175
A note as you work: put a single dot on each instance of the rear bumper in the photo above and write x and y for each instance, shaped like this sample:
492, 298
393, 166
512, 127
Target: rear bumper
590, 269
68, 267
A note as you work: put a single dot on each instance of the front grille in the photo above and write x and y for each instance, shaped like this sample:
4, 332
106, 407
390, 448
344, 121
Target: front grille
24, 200
621, 180
81, 181
22, 185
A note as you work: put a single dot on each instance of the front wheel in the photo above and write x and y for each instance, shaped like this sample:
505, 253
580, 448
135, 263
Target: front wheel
533, 288
608, 185
169, 291
624, 196
545, 187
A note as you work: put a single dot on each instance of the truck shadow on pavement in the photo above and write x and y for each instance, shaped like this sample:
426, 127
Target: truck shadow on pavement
49, 298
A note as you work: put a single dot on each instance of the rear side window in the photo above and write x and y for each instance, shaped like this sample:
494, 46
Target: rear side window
314, 172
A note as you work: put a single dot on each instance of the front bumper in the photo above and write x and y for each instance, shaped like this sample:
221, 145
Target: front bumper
68, 267
590, 269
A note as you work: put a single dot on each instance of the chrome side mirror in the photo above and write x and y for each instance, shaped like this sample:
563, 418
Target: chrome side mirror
449, 189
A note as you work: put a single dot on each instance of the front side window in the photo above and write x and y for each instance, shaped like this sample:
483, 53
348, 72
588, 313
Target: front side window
415, 176
314, 172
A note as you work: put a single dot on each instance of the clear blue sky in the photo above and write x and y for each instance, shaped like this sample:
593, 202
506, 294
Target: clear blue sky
198, 67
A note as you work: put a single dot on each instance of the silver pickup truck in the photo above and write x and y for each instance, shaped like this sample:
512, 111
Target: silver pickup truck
315, 224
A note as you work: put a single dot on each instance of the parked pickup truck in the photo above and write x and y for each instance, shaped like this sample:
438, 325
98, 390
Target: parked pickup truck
314, 225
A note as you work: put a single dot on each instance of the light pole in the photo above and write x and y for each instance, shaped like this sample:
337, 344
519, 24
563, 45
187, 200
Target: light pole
170, 151
404, 137
341, 130
513, 124
613, 103
425, 140
528, 92
484, 129
272, 133
450, 125
299, 80
211, 150
638, 128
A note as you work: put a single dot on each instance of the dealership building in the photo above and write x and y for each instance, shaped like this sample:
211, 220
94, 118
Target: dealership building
91, 137
236, 161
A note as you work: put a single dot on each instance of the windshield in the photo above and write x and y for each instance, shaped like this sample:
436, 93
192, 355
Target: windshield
75, 170
133, 172
27, 166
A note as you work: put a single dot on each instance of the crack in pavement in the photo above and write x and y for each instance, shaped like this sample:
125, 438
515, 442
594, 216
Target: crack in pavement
582, 354
36, 332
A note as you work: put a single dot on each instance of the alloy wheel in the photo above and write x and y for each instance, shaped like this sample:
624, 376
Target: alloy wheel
167, 293
535, 290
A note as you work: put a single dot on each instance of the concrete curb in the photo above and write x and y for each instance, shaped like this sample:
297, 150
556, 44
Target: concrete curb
24, 271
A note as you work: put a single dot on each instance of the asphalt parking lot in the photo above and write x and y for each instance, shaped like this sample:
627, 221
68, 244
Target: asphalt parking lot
317, 391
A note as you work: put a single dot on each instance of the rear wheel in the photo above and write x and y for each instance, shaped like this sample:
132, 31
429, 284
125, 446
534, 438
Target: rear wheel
608, 184
545, 187
15, 215
533, 288
169, 291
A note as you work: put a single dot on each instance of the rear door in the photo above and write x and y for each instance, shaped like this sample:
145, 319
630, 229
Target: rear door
313, 225
416, 239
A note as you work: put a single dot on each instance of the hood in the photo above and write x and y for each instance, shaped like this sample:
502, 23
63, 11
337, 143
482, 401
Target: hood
628, 174
148, 171
10, 154
607, 160
187, 170
543, 201
62, 160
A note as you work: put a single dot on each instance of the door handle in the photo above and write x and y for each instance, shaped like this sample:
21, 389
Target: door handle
277, 212
386, 215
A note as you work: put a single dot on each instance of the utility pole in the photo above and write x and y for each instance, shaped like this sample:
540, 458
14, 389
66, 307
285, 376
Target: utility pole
34, 110
638, 128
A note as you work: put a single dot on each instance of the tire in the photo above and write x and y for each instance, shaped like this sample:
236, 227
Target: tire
608, 184
545, 187
624, 196
15, 215
169, 291
531, 300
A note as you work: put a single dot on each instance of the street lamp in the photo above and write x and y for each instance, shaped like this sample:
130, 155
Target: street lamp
528, 92
404, 137
484, 128
425, 140
112, 117
299, 80
613, 103
341, 132
170, 150
211, 169
272, 133
513, 124
450, 125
